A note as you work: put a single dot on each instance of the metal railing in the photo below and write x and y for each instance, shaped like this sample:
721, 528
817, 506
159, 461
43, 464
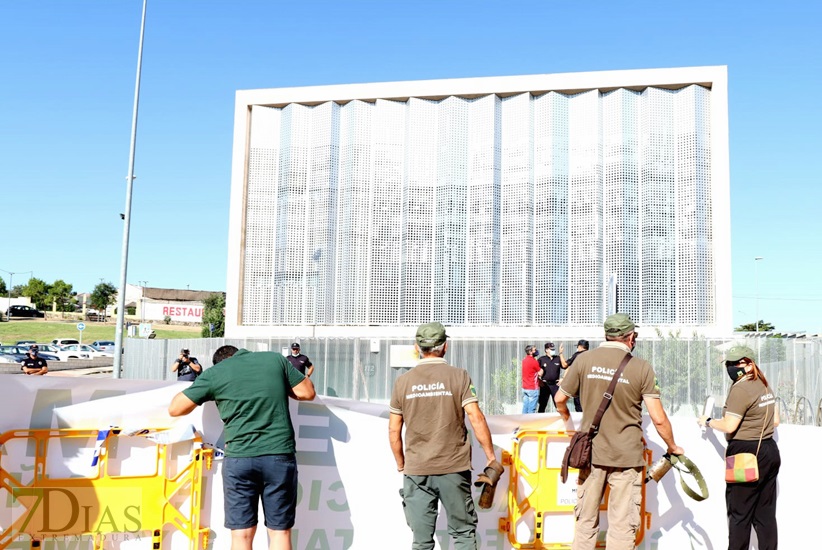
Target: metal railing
689, 369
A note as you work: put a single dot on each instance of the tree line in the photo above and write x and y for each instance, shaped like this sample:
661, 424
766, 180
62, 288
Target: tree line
61, 294
64, 297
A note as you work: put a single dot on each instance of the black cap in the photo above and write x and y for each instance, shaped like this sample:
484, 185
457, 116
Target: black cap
295, 345
584, 344
549, 345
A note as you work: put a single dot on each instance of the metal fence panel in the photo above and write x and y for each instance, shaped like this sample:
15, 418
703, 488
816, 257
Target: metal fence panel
689, 369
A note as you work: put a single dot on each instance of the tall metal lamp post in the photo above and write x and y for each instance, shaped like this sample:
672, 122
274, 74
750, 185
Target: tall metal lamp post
11, 285
756, 283
121, 296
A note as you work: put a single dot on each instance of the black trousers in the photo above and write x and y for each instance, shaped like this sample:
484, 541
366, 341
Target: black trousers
550, 391
547, 392
754, 504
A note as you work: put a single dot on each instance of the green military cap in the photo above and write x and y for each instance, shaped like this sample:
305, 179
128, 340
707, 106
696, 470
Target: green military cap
740, 352
618, 324
431, 335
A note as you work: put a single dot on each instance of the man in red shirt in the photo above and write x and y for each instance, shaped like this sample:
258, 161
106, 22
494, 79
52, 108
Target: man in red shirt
530, 385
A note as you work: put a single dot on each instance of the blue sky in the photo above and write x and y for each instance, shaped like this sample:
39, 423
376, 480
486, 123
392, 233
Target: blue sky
67, 81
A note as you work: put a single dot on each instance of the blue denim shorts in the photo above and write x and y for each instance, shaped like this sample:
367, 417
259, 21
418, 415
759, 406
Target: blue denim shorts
246, 479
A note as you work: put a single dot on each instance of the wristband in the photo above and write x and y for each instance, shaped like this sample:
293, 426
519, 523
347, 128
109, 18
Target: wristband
708, 422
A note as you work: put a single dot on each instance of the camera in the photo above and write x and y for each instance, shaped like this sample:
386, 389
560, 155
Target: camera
185, 352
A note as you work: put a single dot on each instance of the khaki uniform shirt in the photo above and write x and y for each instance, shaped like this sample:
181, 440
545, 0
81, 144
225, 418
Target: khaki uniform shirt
430, 397
619, 440
754, 403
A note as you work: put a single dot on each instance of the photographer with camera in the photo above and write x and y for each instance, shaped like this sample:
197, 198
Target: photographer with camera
186, 367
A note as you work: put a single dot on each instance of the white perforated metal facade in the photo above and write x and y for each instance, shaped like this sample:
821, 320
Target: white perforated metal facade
506, 208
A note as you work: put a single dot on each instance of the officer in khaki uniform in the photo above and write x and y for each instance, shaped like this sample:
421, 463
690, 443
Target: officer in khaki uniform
749, 420
617, 448
431, 400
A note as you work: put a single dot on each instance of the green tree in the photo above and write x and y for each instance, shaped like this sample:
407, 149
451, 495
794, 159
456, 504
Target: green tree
751, 327
504, 388
17, 291
38, 291
214, 316
103, 295
3, 290
61, 293
680, 364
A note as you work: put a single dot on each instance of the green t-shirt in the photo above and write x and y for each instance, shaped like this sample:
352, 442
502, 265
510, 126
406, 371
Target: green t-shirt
251, 392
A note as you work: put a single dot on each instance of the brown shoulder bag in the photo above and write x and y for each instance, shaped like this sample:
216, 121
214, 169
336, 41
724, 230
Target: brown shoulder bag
578, 453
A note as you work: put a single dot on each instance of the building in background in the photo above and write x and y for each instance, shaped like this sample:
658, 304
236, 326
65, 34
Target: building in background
511, 205
155, 304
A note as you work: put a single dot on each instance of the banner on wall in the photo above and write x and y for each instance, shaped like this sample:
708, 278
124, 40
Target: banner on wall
349, 487
187, 312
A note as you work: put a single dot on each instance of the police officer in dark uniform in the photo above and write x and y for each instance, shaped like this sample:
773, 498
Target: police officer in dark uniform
299, 361
187, 367
33, 364
582, 347
551, 364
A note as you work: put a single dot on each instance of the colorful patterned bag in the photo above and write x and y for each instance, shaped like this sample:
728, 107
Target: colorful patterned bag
741, 468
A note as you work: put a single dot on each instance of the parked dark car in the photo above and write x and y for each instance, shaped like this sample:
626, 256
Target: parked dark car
19, 353
23, 311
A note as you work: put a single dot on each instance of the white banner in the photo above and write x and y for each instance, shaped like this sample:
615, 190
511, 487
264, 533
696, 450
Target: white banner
349, 487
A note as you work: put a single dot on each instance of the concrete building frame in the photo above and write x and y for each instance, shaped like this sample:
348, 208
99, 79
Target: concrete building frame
499, 206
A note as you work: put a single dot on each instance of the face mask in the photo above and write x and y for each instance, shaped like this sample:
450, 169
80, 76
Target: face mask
735, 372
551, 353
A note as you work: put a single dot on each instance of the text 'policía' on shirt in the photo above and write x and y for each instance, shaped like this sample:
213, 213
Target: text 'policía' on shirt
436, 389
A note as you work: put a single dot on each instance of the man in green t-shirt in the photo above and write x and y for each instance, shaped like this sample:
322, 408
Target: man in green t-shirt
251, 390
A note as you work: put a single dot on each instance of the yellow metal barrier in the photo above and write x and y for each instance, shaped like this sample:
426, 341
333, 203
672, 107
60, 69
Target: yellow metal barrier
540, 506
102, 501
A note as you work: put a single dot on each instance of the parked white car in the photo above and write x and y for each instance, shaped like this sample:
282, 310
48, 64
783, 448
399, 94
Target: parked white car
59, 352
104, 345
86, 351
63, 341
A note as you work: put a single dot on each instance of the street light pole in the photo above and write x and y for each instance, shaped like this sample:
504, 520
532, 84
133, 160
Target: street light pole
11, 279
756, 284
121, 297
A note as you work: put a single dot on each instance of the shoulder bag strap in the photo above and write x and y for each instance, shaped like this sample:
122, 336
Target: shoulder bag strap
607, 396
764, 422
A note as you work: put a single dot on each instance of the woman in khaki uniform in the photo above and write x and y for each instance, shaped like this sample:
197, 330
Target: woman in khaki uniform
750, 413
